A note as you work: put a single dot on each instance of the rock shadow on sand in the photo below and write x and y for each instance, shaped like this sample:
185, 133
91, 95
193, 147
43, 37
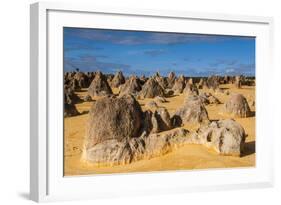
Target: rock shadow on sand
249, 148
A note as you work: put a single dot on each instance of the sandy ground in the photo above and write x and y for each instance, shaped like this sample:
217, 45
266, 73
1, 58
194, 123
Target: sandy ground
184, 158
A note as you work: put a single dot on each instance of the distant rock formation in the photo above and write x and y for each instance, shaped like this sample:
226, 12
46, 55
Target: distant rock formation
238, 81
193, 110
237, 106
99, 86
131, 87
190, 81
118, 79
82, 79
151, 89
190, 89
179, 85
208, 98
171, 80
161, 81
70, 98
213, 82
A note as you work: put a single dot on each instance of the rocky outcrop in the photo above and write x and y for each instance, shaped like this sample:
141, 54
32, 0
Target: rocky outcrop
226, 137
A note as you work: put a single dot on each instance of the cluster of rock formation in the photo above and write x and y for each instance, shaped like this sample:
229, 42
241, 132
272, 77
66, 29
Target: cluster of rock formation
119, 131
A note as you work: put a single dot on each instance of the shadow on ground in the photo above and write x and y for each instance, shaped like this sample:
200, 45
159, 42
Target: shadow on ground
249, 148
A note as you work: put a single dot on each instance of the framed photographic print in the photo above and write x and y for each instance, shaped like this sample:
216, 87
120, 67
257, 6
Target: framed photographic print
130, 102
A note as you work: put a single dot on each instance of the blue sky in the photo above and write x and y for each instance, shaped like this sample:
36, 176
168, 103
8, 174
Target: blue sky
138, 52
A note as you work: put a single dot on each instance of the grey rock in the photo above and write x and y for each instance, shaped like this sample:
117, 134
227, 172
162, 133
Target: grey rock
113, 118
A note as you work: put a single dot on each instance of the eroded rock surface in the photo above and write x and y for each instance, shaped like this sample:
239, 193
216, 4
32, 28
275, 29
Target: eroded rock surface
226, 137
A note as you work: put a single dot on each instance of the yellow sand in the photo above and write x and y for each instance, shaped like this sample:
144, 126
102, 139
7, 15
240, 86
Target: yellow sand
187, 157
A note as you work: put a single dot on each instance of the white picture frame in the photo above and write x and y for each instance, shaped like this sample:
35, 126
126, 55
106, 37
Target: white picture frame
47, 182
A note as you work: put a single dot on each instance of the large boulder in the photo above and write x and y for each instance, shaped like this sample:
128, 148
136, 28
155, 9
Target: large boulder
131, 87
193, 110
237, 106
118, 79
151, 89
113, 118
99, 86
227, 137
